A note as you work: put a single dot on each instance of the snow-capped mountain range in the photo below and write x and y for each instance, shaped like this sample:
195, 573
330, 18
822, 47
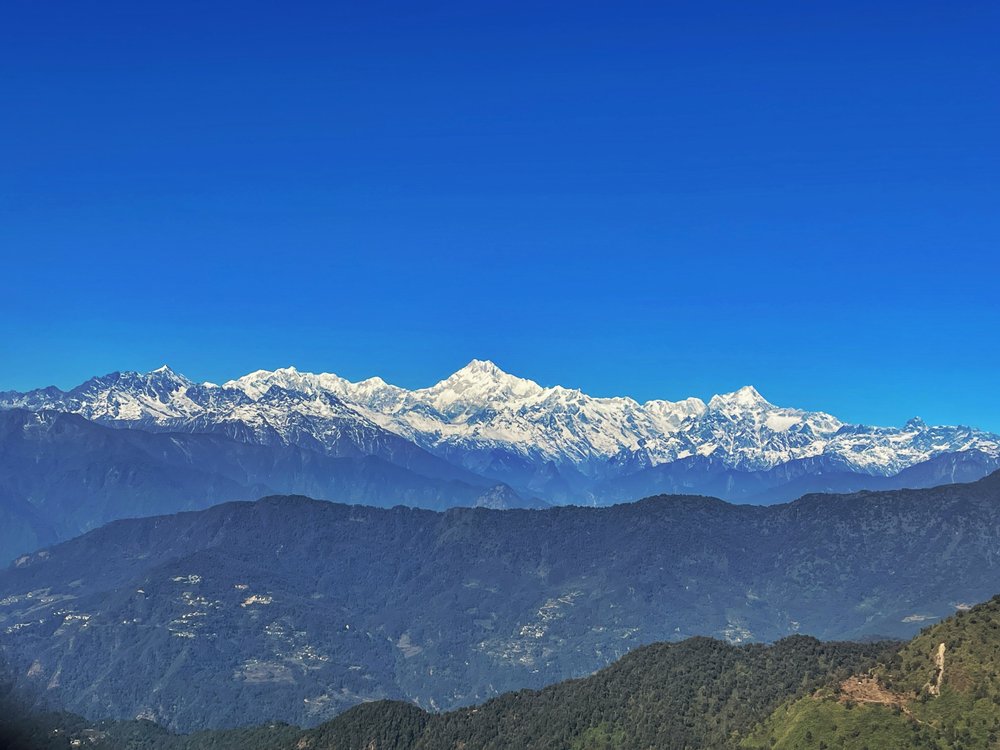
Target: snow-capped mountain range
555, 442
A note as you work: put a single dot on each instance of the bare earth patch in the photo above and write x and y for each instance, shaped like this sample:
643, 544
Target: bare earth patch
868, 689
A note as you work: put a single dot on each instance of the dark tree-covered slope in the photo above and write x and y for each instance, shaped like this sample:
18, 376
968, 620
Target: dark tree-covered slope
700, 693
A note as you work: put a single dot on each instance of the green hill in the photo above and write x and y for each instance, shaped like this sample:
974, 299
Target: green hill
942, 690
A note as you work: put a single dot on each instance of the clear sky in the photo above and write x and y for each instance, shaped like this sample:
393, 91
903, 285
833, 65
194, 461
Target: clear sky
655, 200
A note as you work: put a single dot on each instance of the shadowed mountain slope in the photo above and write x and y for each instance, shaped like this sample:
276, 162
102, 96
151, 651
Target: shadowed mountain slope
61, 475
295, 610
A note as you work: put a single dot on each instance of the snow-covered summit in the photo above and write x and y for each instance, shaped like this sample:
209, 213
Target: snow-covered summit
743, 399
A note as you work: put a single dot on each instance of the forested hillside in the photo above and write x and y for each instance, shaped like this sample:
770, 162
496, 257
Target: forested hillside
940, 691
700, 693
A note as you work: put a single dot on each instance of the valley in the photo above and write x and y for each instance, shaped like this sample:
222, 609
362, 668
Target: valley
699, 694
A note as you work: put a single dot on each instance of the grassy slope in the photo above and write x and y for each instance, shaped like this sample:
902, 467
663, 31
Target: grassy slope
964, 714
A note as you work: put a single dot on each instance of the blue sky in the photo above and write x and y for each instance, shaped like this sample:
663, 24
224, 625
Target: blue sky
657, 200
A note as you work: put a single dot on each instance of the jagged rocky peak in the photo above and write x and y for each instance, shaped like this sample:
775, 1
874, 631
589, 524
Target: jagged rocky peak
162, 376
670, 416
160, 383
259, 382
167, 377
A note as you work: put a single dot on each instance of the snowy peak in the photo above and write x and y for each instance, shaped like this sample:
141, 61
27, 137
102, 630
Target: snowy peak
484, 374
256, 384
166, 380
745, 398
161, 379
158, 394
671, 415
481, 367
479, 383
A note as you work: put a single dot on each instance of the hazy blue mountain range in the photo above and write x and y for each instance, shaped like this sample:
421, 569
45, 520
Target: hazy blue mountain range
61, 475
483, 426
791, 480
293, 609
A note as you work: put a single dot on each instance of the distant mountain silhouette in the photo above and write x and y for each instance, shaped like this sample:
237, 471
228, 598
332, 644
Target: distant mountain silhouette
61, 475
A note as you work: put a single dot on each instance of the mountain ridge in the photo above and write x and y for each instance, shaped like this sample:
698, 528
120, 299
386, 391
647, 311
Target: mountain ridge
554, 442
62, 474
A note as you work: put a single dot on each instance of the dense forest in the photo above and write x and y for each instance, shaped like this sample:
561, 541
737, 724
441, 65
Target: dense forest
697, 693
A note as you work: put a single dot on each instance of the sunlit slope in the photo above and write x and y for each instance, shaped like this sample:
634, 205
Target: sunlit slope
942, 690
